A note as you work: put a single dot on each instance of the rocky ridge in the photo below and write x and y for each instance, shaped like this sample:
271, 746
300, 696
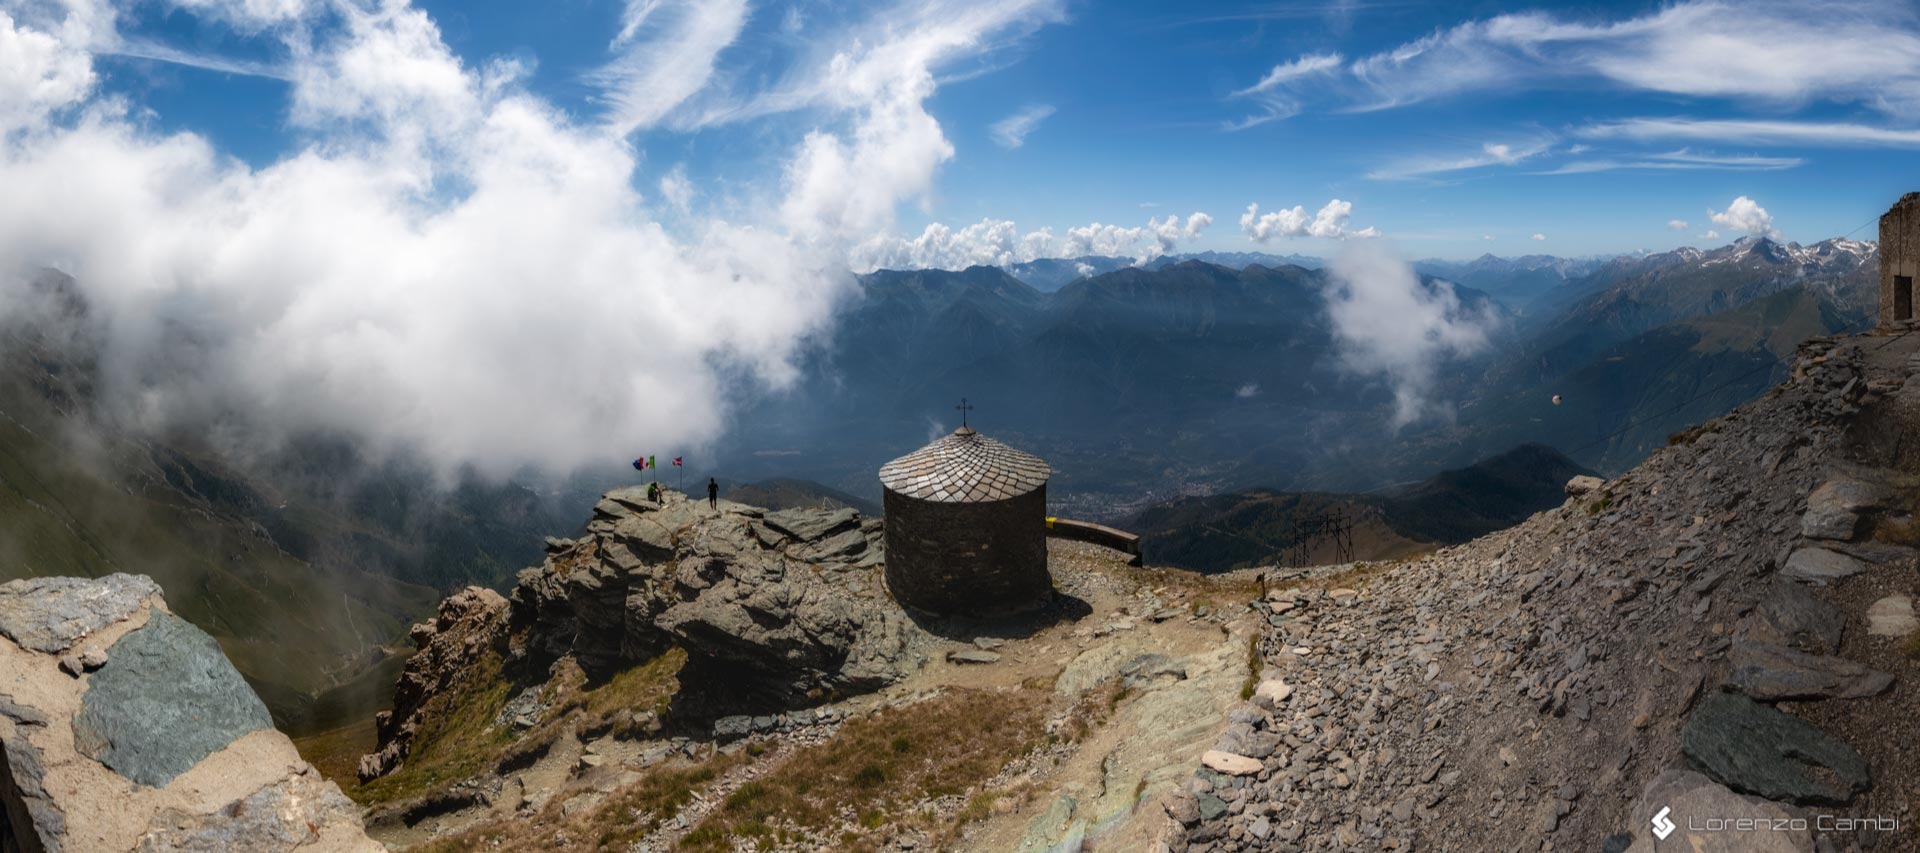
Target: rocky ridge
123, 727
1722, 632
776, 610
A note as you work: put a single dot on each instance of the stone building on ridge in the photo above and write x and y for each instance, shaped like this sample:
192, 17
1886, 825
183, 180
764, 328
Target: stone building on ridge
1899, 259
966, 526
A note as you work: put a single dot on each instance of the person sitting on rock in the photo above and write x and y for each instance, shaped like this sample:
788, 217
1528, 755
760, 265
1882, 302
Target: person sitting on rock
653, 492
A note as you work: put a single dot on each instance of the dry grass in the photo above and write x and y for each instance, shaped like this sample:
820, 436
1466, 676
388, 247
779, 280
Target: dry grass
880, 769
336, 754
456, 740
623, 818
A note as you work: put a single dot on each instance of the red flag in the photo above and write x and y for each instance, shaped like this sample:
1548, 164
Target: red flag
640, 464
676, 461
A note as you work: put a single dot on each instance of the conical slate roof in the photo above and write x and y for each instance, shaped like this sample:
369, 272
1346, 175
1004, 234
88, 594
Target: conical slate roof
965, 467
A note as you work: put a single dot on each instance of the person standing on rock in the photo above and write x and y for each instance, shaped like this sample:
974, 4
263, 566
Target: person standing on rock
713, 494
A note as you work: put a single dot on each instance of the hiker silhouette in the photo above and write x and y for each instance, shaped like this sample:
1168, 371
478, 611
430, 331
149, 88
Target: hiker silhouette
713, 494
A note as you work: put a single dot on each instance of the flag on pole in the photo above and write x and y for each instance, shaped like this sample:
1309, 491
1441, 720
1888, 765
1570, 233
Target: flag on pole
651, 463
640, 464
676, 461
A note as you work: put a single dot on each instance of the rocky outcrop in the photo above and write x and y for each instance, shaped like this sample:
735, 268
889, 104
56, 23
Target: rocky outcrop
123, 727
469, 624
773, 609
789, 604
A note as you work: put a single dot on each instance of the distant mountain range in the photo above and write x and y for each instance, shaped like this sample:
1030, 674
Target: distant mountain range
1181, 378
1259, 527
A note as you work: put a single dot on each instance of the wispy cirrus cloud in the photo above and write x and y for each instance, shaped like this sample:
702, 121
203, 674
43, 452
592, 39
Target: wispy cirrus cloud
1273, 92
1682, 160
1865, 52
1012, 131
1755, 132
1490, 154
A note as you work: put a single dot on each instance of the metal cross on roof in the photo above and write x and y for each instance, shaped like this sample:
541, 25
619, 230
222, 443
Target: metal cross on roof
964, 408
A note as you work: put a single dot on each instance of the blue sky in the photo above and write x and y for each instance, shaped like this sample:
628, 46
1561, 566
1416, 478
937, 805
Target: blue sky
1140, 106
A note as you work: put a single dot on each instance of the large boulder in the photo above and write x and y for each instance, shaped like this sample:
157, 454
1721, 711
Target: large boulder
122, 727
1756, 749
790, 605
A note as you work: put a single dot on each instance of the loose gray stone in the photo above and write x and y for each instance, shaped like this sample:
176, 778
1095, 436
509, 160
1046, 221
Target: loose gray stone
1770, 673
1791, 616
1892, 617
23, 778
1819, 565
1755, 749
168, 699
51, 614
1583, 484
286, 815
972, 656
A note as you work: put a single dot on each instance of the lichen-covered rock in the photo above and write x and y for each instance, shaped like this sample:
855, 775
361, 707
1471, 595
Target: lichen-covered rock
157, 745
50, 614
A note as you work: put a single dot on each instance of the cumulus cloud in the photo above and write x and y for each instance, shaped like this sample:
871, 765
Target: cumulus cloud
450, 265
1388, 322
1539, 236
1329, 222
1000, 242
1011, 132
1678, 225
1771, 50
1248, 391
1710, 235
1745, 214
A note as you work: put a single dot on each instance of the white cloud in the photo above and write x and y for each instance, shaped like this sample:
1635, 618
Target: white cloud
450, 265
1388, 322
1247, 391
1271, 92
1681, 160
1486, 236
1539, 236
1329, 222
1710, 235
676, 189
39, 72
1490, 154
1678, 225
1756, 132
999, 242
1857, 51
1011, 132
1744, 214
656, 74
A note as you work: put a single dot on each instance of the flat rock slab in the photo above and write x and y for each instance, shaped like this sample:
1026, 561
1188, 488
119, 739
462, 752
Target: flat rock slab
1892, 617
1791, 616
1756, 749
166, 699
302, 811
1833, 510
1770, 673
1819, 565
809, 525
1680, 795
973, 656
1230, 763
51, 614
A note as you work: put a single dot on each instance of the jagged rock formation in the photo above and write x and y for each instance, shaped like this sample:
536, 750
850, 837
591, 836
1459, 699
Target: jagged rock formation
773, 608
1690, 635
122, 727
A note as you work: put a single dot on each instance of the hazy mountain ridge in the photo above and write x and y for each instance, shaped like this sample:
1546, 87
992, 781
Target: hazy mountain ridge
1262, 526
